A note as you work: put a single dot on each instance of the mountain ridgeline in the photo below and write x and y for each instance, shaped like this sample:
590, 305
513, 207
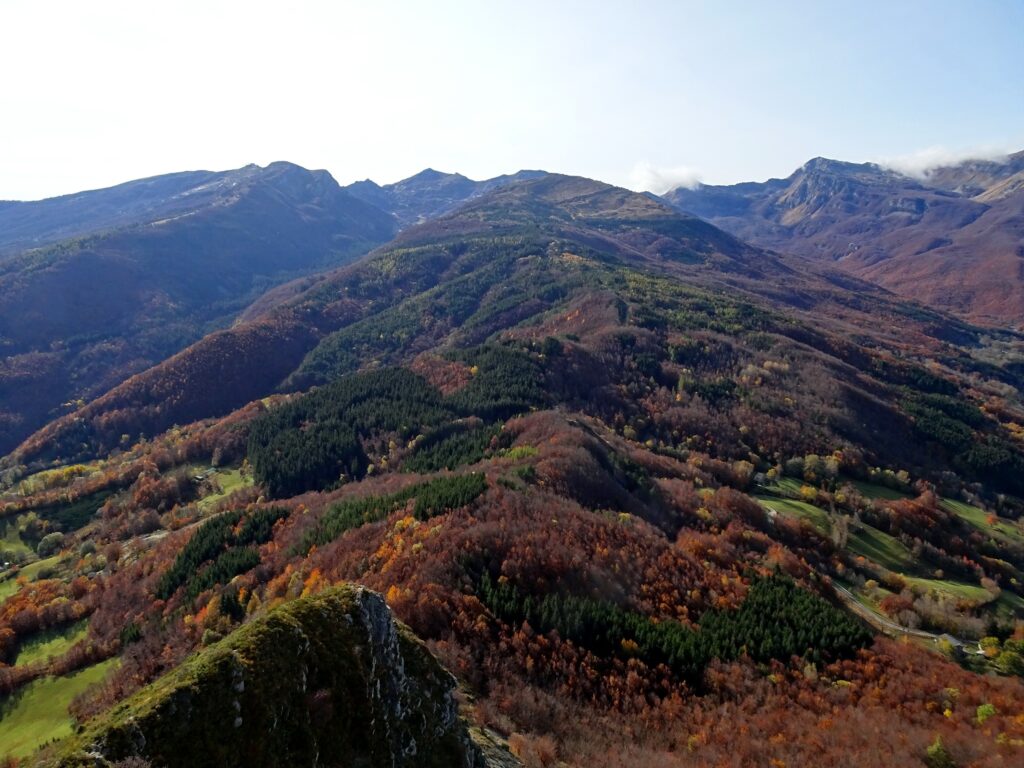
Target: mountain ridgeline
429, 193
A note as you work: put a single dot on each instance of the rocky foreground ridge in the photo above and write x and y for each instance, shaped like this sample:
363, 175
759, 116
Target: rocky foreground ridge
330, 679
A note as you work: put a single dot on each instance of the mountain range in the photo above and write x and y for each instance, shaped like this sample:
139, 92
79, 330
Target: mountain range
622, 480
953, 239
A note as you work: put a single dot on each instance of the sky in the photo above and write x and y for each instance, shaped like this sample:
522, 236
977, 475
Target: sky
644, 94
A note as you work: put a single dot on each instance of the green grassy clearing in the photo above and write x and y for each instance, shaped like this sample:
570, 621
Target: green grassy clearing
8, 587
888, 552
1003, 529
10, 584
38, 713
11, 538
801, 510
51, 643
880, 548
230, 480
872, 491
786, 486
32, 570
956, 589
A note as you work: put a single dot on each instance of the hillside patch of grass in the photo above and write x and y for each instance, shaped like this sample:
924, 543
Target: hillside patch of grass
800, 510
8, 587
10, 539
785, 486
880, 548
957, 589
38, 713
50, 643
873, 492
31, 572
230, 480
1003, 529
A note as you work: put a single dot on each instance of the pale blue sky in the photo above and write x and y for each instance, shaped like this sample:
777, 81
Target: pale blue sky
635, 93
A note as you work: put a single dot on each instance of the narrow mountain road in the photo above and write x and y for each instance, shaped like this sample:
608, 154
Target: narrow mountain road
876, 619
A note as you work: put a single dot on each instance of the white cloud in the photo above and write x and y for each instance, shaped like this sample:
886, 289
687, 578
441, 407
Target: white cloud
646, 177
919, 164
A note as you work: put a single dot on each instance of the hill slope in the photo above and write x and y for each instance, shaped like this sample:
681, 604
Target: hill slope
954, 240
155, 265
228, 368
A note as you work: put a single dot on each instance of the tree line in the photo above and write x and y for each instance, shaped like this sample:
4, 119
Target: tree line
777, 620
218, 551
432, 498
317, 441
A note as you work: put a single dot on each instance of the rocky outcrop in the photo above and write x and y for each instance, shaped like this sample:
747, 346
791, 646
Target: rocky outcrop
326, 680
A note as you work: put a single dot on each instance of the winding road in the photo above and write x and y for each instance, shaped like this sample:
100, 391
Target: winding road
886, 625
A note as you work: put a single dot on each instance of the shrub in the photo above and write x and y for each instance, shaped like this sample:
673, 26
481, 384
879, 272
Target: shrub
50, 544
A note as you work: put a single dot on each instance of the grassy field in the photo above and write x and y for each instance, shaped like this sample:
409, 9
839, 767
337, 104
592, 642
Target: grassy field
1003, 529
956, 589
10, 585
883, 549
872, 491
790, 486
53, 643
801, 510
230, 480
786, 486
39, 711
880, 548
10, 538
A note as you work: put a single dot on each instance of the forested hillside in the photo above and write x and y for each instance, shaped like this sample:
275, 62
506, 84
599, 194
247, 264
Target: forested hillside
118, 280
654, 496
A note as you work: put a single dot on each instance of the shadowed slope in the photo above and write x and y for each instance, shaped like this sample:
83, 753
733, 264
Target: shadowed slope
81, 315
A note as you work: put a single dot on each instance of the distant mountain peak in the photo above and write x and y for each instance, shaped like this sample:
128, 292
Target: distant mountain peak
840, 167
431, 174
284, 165
946, 237
430, 193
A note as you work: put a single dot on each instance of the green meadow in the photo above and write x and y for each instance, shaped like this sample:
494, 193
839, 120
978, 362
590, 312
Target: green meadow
38, 713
